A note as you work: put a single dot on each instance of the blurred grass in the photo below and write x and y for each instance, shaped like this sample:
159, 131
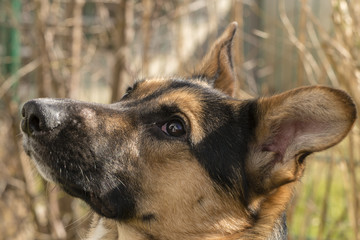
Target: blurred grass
311, 196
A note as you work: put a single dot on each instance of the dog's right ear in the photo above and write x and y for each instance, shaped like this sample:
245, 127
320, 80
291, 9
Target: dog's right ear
292, 125
217, 66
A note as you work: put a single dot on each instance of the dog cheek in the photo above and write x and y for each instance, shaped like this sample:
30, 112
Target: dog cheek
120, 167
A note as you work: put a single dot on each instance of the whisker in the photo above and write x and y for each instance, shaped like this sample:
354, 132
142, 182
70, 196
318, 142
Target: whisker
76, 223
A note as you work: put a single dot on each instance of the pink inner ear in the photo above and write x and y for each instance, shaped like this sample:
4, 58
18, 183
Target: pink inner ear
286, 135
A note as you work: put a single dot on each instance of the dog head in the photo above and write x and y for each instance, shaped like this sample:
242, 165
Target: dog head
180, 156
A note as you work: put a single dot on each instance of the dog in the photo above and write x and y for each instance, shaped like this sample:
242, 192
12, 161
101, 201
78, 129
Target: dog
180, 158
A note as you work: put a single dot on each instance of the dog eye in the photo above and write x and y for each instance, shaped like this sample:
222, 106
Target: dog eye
174, 128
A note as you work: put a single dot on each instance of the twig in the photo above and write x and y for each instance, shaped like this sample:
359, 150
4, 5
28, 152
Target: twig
9, 82
146, 27
316, 43
324, 34
302, 40
76, 47
310, 65
120, 43
325, 203
46, 51
353, 182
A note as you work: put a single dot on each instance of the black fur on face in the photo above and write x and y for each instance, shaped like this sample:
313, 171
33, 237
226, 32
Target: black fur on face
84, 153
224, 150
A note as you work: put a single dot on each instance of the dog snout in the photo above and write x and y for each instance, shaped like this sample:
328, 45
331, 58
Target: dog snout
40, 116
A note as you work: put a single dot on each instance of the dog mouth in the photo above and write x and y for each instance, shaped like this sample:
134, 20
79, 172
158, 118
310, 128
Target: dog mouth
97, 203
116, 203
111, 202
83, 181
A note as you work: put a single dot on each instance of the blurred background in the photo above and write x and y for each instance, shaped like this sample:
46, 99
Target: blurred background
92, 50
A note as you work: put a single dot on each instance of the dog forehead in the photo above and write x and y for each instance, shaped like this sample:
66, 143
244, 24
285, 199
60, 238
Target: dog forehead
150, 85
185, 95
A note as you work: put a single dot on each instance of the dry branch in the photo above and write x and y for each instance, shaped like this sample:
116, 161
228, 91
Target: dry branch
311, 67
354, 185
77, 6
9, 82
322, 56
120, 50
325, 202
148, 7
302, 40
44, 78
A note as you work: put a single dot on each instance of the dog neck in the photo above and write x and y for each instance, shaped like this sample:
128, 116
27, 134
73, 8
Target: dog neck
106, 229
280, 229
270, 224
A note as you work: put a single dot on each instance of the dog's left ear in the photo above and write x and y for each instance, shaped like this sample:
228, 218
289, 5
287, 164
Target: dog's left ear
292, 125
217, 66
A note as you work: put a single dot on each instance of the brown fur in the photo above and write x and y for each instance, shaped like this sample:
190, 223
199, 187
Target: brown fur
178, 192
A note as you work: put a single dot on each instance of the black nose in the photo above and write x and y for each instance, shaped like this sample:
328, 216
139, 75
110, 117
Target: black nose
41, 116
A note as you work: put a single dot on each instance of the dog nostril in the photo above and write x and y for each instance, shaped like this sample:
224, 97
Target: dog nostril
34, 124
41, 116
23, 112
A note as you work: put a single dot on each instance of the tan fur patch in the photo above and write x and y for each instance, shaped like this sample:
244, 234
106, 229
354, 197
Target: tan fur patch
191, 106
183, 199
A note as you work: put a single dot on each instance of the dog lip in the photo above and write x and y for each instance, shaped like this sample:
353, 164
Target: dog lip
96, 202
100, 205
